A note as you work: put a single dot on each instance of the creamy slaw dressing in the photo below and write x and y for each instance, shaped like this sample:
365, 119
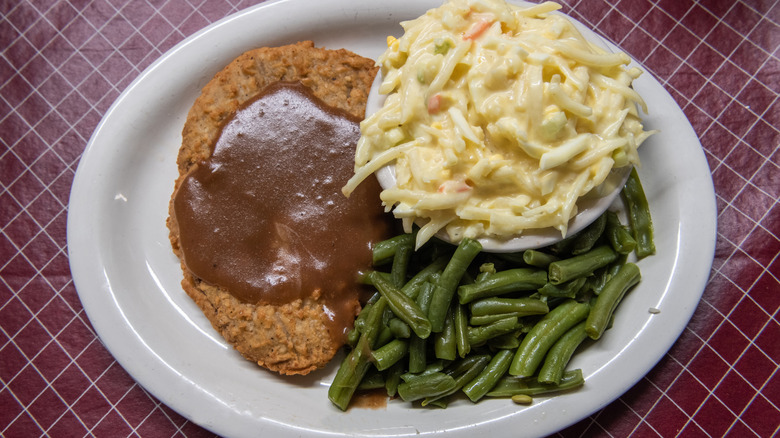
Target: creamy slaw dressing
497, 119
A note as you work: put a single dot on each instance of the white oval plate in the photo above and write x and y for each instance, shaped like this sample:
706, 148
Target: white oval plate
129, 280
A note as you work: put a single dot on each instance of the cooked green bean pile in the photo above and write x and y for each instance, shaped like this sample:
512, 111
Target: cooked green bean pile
446, 320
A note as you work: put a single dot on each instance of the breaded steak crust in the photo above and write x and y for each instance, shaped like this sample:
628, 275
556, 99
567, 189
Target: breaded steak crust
291, 338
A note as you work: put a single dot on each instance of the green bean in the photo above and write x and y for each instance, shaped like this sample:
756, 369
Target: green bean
580, 265
417, 353
510, 386
617, 264
393, 378
430, 368
352, 337
403, 254
417, 345
385, 335
444, 343
508, 341
538, 259
480, 277
448, 282
362, 277
562, 246
487, 379
560, 354
385, 250
399, 328
618, 236
463, 371
599, 279
603, 275
425, 296
464, 366
359, 324
404, 307
355, 365
520, 306
440, 402
503, 282
480, 334
489, 319
461, 330
412, 287
390, 353
568, 289
373, 323
541, 337
609, 298
351, 371
639, 215
372, 380
588, 237
426, 386
360, 321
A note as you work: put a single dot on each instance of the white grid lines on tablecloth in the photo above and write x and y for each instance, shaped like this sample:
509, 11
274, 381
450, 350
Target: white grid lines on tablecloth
30, 360
57, 69
712, 392
73, 361
100, 106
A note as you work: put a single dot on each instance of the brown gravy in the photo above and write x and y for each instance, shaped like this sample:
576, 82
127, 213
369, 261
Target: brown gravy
264, 216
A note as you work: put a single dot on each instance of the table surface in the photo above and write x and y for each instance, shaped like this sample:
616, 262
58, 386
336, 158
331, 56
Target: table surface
64, 63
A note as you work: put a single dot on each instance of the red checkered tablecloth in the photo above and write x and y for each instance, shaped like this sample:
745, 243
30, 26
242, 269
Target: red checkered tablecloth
63, 63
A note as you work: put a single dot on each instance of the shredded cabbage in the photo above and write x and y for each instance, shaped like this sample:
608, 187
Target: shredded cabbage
497, 119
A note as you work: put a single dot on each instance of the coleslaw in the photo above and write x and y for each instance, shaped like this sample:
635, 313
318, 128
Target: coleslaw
498, 118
